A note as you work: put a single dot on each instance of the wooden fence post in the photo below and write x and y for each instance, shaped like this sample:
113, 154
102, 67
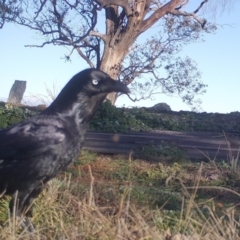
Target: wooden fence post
16, 92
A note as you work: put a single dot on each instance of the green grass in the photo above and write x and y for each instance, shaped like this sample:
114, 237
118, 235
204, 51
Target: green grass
123, 197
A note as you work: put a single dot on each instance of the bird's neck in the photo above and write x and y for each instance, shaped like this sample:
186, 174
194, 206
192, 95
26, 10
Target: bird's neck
79, 112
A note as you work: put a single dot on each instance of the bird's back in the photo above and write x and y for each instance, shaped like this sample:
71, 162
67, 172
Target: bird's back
37, 150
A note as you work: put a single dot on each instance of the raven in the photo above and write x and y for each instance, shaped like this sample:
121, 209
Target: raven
37, 149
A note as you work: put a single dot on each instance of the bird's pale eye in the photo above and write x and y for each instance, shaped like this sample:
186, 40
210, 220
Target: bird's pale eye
95, 82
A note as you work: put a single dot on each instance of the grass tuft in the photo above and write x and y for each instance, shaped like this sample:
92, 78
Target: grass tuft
117, 197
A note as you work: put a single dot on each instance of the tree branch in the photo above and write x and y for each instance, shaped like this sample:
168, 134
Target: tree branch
40, 9
202, 22
100, 35
90, 63
40, 46
143, 97
168, 7
200, 6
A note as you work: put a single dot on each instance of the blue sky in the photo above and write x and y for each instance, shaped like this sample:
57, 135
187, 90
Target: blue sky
218, 59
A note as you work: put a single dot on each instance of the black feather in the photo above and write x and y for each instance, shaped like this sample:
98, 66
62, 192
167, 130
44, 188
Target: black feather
36, 150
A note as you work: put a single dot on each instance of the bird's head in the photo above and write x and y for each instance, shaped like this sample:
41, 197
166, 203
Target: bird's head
94, 82
88, 87
91, 82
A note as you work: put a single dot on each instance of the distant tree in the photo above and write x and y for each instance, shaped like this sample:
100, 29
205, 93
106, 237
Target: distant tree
118, 37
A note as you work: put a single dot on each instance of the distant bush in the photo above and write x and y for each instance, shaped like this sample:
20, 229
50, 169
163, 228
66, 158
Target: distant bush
10, 114
112, 119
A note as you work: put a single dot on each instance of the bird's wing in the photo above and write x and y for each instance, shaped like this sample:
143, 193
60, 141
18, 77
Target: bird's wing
30, 138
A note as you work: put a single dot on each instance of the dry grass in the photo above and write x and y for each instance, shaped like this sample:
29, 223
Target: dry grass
42, 99
86, 205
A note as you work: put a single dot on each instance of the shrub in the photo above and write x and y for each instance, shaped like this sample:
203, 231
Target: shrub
112, 119
10, 114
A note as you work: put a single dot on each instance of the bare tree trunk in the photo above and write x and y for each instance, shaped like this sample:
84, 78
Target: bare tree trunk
16, 92
111, 64
119, 37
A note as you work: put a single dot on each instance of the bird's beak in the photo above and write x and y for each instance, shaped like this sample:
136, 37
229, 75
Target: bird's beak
119, 87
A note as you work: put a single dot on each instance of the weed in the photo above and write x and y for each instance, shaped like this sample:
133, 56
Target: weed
51, 94
135, 203
160, 152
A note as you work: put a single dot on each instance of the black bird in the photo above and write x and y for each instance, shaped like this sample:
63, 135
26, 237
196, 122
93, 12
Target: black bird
36, 150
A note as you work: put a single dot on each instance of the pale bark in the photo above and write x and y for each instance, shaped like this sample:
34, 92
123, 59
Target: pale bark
118, 41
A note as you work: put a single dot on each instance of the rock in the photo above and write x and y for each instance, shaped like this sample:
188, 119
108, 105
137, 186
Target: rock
41, 106
160, 107
16, 92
